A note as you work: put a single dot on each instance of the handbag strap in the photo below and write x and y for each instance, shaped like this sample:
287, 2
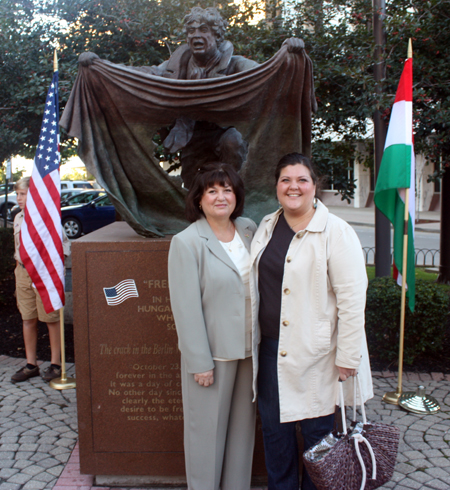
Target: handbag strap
341, 402
356, 381
357, 437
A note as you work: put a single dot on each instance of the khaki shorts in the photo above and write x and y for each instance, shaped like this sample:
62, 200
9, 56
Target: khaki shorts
28, 300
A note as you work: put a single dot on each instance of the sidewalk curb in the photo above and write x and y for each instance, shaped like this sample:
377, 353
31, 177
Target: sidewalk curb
372, 225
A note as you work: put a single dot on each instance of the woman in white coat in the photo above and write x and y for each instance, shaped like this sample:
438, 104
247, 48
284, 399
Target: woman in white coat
209, 265
312, 288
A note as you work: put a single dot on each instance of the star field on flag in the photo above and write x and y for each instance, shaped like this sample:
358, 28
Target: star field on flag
48, 156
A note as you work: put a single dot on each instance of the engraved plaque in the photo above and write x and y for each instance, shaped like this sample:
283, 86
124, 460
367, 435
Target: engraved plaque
134, 347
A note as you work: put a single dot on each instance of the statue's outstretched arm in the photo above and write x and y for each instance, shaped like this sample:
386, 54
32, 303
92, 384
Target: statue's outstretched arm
87, 58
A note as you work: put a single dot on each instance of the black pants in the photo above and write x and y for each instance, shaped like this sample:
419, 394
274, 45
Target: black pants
280, 439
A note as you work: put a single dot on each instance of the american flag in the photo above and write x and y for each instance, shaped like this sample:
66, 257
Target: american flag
122, 291
41, 248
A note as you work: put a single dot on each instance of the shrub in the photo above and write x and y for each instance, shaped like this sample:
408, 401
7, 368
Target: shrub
425, 329
7, 252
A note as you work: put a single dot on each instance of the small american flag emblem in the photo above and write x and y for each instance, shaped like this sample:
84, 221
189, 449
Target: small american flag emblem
121, 292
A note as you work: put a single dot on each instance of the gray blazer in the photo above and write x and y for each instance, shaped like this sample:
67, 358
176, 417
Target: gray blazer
207, 295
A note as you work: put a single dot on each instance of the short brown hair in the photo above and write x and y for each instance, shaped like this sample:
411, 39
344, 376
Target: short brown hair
23, 183
216, 173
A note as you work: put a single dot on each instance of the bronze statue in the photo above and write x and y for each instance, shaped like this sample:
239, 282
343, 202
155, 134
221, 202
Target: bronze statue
210, 117
206, 54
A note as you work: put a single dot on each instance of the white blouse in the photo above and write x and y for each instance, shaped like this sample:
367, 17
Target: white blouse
240, 256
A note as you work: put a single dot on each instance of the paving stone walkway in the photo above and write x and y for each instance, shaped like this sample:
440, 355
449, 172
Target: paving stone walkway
423, 460
38, 433
38, 429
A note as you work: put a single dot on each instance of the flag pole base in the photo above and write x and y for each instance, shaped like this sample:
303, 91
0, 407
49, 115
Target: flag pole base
391, 397
63, 383
419, 402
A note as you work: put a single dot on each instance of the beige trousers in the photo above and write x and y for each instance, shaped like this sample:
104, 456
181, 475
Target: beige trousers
219, 427
28, 300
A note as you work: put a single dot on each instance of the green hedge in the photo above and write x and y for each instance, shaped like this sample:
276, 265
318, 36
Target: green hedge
6, 252
425, 329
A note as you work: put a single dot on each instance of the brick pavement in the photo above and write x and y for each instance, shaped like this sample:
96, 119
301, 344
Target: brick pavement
38, 433
38, 429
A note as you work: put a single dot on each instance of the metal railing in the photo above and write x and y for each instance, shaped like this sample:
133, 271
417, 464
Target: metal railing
425, 257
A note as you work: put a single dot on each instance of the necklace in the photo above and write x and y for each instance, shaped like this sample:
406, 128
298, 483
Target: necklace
229, 244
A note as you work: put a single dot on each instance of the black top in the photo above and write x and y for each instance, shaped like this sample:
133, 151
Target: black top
271, 271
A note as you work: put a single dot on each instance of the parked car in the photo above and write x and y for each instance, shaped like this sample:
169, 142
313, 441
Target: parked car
68, 188
68, 198
82, 197
66, 193
84, 218
5, 209
76, 184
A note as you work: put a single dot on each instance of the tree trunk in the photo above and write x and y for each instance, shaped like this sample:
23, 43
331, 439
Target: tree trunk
444, 267
382, 224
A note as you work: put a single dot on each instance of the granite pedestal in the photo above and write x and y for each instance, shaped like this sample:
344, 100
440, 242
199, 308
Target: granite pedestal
130, 410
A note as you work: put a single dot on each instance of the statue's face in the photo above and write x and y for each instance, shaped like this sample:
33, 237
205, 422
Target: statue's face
201, 40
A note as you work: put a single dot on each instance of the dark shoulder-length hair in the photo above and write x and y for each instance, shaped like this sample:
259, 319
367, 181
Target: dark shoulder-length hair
215, 173
299, 159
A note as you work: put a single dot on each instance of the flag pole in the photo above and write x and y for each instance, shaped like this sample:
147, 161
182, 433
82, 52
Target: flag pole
418, 401
62, 383
392, 397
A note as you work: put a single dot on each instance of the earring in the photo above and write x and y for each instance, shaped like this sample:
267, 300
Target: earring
315, 203
200, 206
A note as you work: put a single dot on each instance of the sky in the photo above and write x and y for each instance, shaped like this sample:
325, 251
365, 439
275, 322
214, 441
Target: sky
20, 163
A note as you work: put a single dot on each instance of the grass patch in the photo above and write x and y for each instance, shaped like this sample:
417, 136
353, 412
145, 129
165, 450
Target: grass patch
420, 274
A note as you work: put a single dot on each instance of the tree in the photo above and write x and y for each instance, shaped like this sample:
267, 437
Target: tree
15, 176
132, 32
338, 36
26, 71
339, 40
142, 33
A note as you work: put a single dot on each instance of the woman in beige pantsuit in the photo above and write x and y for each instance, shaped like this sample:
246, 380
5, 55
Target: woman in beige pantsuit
209, 266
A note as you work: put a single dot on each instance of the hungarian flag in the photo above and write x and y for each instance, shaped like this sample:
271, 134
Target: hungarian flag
41, 248
397, 172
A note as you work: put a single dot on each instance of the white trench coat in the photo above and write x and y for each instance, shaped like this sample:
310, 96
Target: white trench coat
322, 315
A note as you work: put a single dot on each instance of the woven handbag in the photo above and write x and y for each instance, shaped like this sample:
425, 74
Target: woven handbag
362, 457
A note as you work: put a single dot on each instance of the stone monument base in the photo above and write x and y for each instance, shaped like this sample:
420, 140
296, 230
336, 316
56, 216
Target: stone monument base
130, 412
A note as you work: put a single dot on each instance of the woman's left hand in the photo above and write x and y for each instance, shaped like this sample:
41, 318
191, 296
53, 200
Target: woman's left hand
205, 379
345, 373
